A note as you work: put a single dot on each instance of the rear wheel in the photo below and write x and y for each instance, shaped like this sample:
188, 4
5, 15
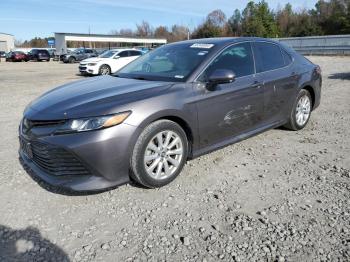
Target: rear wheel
159, 154
104, 70
301, 111
71, 60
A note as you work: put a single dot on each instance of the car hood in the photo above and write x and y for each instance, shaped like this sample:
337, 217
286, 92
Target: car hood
91, 60
92, 97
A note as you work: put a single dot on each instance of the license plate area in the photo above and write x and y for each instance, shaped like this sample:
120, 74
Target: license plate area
26, 147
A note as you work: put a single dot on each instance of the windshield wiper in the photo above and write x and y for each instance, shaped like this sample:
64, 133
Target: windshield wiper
132, 77
139, 78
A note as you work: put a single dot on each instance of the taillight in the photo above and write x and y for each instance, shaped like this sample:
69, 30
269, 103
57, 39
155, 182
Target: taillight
318, 69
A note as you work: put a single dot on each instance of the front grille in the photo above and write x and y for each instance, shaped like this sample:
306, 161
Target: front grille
42, 123
56, 161
28, 124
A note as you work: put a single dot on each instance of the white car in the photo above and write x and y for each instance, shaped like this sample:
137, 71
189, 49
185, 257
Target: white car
108, 62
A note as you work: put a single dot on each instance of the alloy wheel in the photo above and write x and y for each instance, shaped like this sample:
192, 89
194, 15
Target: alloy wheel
303, 109
105, 70
163, 155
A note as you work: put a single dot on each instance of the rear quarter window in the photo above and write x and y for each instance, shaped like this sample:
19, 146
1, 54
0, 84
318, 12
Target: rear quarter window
286, 57
268, 56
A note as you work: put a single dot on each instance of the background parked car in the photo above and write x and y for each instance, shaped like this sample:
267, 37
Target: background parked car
109, 62
17, 56
39, 55
79, 55
2, 54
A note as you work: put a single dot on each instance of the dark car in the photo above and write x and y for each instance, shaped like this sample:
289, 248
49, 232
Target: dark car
172, 104
39, 55
16, 56
2, 54
79, 55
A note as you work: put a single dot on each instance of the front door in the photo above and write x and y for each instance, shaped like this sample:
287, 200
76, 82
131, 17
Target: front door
233, 108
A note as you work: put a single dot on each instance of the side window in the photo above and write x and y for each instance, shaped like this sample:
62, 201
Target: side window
267, 56
88, 51
123, 54
238, 58
134, 53
286, 57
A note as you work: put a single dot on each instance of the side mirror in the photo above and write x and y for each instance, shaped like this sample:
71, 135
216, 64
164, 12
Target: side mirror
220, 76
116, 57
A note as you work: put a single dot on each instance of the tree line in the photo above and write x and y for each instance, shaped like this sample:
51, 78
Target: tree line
256, 19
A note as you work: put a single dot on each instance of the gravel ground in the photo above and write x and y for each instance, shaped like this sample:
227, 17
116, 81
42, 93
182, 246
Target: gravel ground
279, 196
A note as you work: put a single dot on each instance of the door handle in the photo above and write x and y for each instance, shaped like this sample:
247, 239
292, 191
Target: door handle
256, 84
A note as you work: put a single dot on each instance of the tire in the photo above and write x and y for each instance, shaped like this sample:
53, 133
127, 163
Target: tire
296, 123
71, 60
104, 70
142, 150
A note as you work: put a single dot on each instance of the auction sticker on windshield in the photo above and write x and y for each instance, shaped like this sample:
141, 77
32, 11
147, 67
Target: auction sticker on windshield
204, 46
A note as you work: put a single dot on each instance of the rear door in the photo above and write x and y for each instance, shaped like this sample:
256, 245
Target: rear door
233, 108
274, 70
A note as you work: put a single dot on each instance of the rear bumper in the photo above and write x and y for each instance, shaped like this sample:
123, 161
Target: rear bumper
105, 153
317, 90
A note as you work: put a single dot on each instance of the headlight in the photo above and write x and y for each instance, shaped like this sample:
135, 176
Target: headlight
92, 123
92, 64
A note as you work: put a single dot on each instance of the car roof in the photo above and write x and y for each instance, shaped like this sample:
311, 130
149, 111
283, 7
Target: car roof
223, 41
123, 49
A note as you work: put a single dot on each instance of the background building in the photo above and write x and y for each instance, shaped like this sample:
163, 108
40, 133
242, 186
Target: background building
62, 41
7, 42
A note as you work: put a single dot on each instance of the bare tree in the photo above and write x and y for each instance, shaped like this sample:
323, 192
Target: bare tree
162, 32
144, 29
178, 33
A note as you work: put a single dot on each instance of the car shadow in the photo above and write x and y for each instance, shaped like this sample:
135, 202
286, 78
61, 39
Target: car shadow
342, 76
28, 245
84, 75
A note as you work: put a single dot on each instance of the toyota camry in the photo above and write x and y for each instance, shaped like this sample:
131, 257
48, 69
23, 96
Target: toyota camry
175, 103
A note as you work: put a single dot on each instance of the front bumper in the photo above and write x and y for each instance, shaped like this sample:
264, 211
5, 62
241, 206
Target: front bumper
104, 153
86, 69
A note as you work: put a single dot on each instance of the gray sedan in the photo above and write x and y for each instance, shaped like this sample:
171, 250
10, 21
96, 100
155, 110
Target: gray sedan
175, 103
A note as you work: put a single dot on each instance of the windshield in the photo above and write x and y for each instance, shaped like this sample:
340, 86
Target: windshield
167, 63
107, 54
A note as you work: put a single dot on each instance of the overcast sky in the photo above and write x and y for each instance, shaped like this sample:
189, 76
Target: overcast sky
28, 18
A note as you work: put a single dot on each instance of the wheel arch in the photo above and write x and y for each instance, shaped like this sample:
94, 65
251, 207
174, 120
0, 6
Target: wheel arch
177, 118
311, 90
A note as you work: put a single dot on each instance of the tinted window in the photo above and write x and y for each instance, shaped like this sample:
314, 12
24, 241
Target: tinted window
89, 51
43, 52
134, 53
238, 58
123, 54
287, 58
174, 62
267, 56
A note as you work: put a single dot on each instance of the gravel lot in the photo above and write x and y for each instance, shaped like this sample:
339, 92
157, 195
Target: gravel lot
280, 196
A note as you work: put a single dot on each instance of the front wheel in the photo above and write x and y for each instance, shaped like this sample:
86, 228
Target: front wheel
159, 154
301, 111
104, 70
